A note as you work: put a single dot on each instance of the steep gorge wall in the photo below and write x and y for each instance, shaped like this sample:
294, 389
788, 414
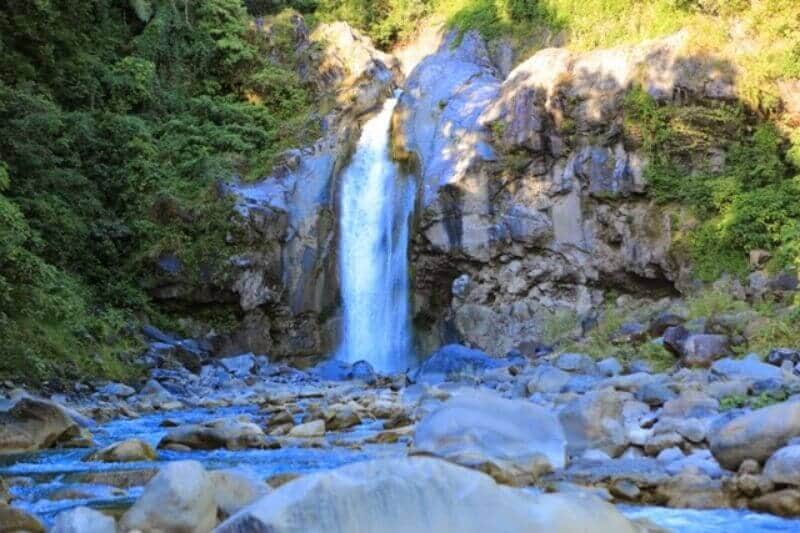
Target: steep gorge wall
533, 197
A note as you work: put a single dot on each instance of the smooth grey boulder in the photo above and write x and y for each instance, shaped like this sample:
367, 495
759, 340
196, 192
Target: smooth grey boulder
231, 433
180, 498
236, 488
83, 520
750, 368
755, 435
609, 367
784, 466
546, 378
119, 390
512, 440
418, 495
594, 420
452, 362
576, 362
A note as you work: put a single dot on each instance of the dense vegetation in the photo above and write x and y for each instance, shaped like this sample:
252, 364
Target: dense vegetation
118, 119
121, 115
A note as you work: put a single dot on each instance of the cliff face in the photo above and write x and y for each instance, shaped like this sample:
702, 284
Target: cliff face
284, 284
533, 195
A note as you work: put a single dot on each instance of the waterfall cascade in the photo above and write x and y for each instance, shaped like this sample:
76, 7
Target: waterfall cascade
376, 201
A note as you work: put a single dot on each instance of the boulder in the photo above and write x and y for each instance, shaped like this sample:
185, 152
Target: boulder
127, 451
609, 367
452, 362
783, 503
783, 467
363, 371
701, 350
512, 440
13, 520
179, 499
230, 433
240, 366
576, 362
547, 379
755, 435
779, 355
594, 420
418, 495
119, 390
749, 368
83, 520
315, 428
33, 424
235, 489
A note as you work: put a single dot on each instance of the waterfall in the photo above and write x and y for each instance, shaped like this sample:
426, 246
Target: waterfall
376, 201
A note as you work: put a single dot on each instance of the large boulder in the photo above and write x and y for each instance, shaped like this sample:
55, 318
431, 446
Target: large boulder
454, 361
179, 499
230, 433
234, 489
417, 495
783, 468
33, 424
13, 520
127, 451
594, 421
512, 440
749, 368
83, 520
755, 435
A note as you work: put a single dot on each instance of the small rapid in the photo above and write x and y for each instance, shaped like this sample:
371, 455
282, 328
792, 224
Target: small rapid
376, 202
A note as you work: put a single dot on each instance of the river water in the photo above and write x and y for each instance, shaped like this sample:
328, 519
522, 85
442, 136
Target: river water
59, 479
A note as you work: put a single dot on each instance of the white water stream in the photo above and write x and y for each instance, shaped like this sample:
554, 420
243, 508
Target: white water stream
375, 205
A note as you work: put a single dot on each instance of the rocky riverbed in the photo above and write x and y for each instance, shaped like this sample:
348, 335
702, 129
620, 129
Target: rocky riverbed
242, 444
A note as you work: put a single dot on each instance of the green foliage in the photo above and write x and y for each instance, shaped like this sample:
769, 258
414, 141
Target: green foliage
119, 118
751, 202
764, 399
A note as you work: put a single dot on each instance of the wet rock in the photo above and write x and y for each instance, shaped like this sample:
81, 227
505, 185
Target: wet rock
783, 503
127, 451
308, 430
363, 371
33, 424
595, 421
179, 498
755, 435
235, 489
13, 520
639, 366
418, 495
452, 362
514, 441
692, 490
230, 433
341, 417
83, 520
121, 479
784, 466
